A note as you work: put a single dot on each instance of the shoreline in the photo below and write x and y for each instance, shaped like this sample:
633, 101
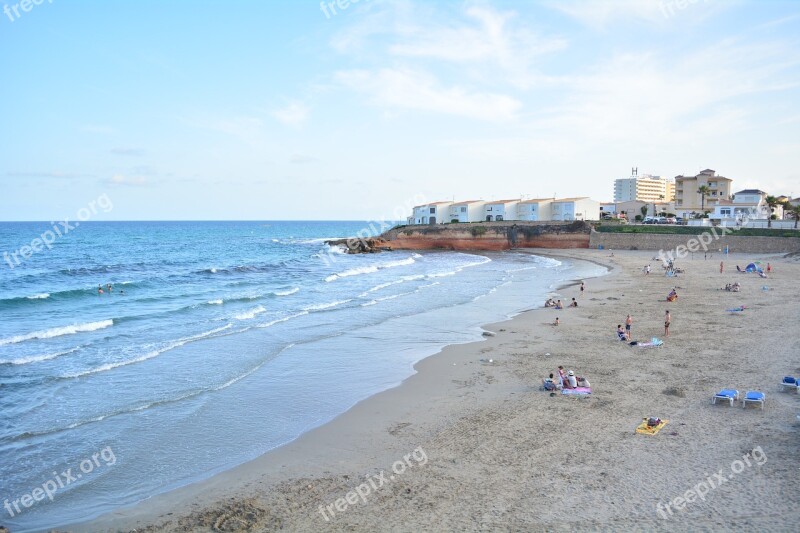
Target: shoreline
238, 477
468, 414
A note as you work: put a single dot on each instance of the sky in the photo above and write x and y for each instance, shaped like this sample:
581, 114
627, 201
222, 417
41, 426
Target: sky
297, 110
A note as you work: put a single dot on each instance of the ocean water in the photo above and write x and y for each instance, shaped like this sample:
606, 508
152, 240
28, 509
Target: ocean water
218, 342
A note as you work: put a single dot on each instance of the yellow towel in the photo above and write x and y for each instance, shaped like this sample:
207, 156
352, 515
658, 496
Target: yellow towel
644, 429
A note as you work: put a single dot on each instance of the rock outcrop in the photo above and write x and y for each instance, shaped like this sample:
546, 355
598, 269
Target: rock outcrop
355, 245
474, 236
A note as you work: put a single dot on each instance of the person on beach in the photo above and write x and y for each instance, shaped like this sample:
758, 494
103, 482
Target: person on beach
628, 324
558, 305
672, 296
620, 332
572, 380
556, 322
562, 377
769, 268
667, 320
574, 303
646, 270
583, 287
549, 383
549, 303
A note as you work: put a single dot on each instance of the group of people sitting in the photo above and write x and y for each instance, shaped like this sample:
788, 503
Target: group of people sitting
556, 304
672, 296
564, 380
553, 303
733, 287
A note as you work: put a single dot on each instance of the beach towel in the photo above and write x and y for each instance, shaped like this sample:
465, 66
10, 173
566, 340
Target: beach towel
654, 343
577, 391
736, 309
644, 429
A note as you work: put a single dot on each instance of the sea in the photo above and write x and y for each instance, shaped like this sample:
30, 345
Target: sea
215, 343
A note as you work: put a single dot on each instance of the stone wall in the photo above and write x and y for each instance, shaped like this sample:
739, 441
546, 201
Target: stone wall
735, 243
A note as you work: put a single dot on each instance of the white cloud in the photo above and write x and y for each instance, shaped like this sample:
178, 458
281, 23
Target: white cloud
406, 89
599, 14
294, 114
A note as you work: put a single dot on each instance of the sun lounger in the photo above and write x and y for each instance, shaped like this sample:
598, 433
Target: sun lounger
731, 395
789, 381
753, 397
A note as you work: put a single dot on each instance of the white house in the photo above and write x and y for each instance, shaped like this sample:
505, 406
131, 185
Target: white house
582, 208
748, 204
534, 209
433, 213
608, 208
500, 210
470, 211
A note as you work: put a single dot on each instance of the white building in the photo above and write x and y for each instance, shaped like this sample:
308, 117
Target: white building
534, 209
644, 188
750, 204
582, 208
608, 209
500, 210
470, 211
433, 213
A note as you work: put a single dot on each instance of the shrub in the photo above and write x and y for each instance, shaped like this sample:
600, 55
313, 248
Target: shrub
478, 230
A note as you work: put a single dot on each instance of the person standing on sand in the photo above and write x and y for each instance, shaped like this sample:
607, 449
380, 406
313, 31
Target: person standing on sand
583, 287
628, 324
667, 320
721, 267
647, 270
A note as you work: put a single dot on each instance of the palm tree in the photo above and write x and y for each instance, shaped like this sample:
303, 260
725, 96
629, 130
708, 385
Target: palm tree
661, 199
703, 190
793, 210
772, 202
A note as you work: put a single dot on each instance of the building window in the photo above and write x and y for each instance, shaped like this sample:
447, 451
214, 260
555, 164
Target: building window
488, 208
463, 209
433, 210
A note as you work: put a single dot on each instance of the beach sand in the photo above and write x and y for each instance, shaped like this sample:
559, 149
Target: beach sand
486, 449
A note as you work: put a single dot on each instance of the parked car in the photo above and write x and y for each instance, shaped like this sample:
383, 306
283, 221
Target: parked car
671, 220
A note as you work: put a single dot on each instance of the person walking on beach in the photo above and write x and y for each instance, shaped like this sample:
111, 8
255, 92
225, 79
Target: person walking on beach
721, 267
646, 270
667, 320
628, 324
583, 287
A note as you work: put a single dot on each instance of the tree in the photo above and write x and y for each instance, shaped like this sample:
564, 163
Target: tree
655, 209
793, 210
772, 202
703, 191
644, 210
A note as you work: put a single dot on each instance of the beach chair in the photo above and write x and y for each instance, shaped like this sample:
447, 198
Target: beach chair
753, 397
789, 381
730, 395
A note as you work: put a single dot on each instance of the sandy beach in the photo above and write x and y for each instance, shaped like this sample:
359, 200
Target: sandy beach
471, 445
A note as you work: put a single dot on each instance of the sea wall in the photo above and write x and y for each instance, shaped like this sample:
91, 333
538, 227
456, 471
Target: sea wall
735, 243
489, 236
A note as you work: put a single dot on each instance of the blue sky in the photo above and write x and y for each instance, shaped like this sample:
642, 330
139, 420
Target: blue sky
275, 110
